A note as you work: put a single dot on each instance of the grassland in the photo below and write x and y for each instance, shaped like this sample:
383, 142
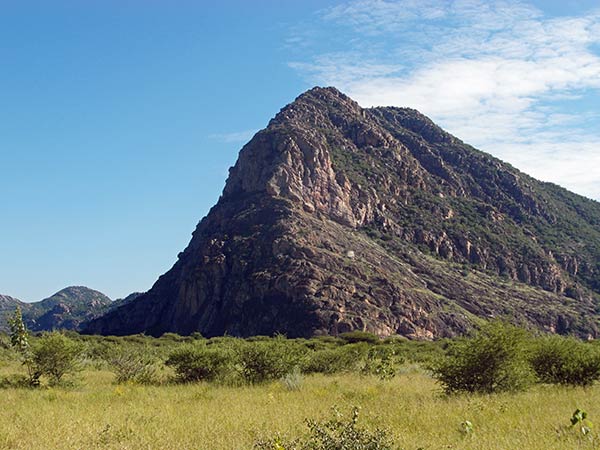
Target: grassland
96, 413
89, 410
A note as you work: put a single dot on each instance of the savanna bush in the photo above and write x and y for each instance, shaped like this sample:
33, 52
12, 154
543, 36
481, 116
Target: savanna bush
494, 359
195, 362
346, 358
267, 360
15, 381
359, 336
56, 355
327, 340
174, 337
133, 366
99, 353
382, 361
562, 360
4, 341
338, 433
6, 350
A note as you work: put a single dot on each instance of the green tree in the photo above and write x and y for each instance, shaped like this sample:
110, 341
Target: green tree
55, 355
493, 360
19, 339
195, 362
566, 360
133, 365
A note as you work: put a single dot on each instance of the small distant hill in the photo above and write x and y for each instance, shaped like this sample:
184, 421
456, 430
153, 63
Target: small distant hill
7, 306
67, 309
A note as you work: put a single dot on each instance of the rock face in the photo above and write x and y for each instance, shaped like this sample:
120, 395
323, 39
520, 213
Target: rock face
122, 301
337, 218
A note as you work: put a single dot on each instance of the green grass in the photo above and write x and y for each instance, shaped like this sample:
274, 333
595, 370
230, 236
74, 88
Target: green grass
96, 413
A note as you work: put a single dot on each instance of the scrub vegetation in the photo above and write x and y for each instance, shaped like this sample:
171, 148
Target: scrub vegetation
501, 387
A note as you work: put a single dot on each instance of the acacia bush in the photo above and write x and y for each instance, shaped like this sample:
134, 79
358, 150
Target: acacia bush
382, 361
562, 360
6, 350
269, 359
493, 359
345, 358
194, 362
359, 336
56, 355
337, 433
4, 341
133, 366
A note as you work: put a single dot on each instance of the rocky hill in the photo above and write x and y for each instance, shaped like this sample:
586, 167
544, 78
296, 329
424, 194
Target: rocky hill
337, 218
7, 307
67, 309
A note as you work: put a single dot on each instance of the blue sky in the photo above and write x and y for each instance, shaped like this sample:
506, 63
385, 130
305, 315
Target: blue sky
119, 119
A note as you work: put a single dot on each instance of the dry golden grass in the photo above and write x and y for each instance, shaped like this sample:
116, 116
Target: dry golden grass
99, 414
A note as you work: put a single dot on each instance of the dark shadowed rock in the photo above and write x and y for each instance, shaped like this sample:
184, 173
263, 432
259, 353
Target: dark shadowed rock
123, 301
337, 218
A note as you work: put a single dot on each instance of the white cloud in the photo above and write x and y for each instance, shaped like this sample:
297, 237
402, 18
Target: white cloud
234, 137
574, 162
490, 72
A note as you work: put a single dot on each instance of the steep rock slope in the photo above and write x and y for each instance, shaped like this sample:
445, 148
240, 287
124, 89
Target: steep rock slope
123, 301
337, 217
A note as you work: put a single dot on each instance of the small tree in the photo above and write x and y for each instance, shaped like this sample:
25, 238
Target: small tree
565, 360
492, 360
338, 433
269, 360
19, 339
195, 362
134, 366
55, 355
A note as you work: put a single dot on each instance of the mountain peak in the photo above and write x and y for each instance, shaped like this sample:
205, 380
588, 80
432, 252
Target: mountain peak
325, 94
337, 217
66, 309
315, 106
79, 292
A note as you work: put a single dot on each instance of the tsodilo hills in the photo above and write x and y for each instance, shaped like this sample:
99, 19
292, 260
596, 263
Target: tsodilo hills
339, 218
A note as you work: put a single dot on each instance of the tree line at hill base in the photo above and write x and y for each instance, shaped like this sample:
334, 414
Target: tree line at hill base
496, 358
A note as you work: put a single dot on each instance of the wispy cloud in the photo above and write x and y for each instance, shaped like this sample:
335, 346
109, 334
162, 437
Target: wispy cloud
498, 74
234, 137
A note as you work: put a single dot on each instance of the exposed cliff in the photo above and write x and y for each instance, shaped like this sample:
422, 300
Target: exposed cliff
337, 217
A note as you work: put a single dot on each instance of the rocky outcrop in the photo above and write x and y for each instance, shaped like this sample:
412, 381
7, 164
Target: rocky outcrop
337, 217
